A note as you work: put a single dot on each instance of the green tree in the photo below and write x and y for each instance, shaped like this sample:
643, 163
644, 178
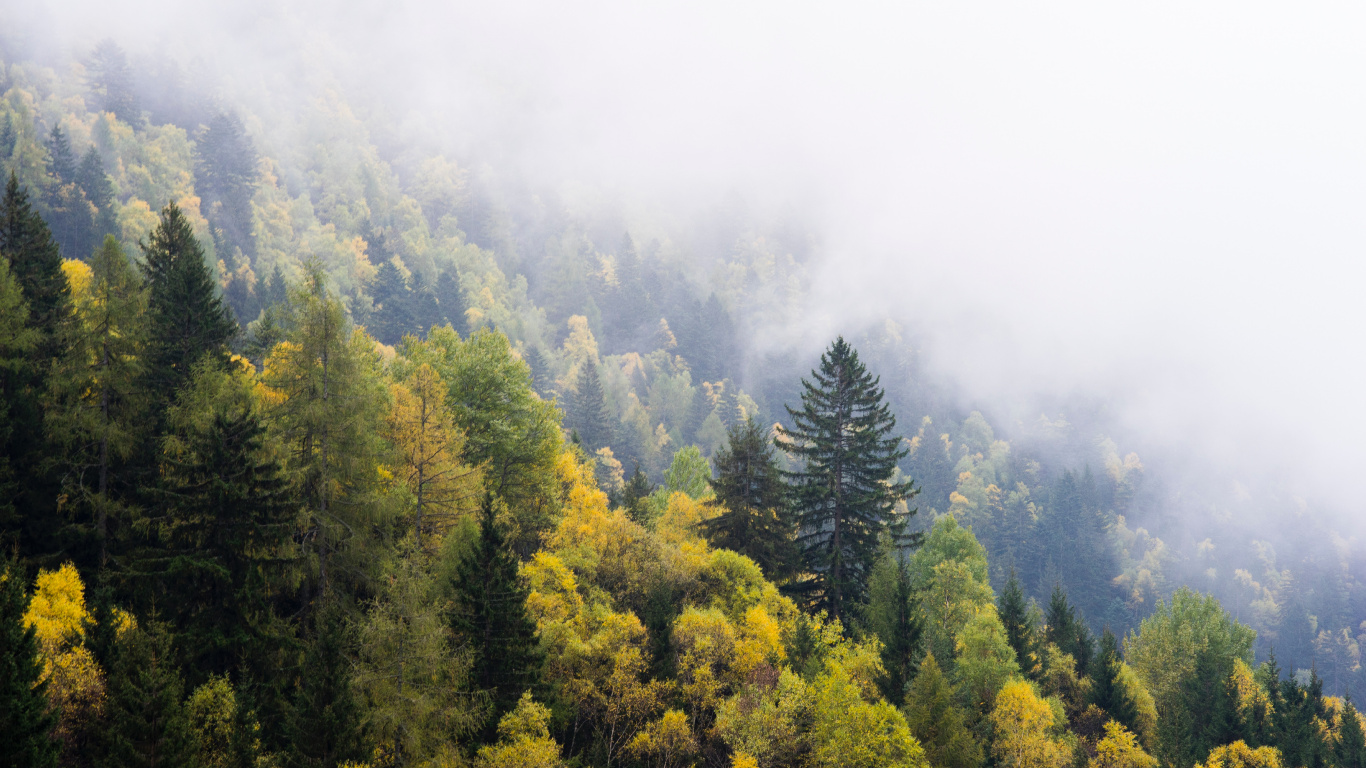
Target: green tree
1067, 630
322, 727
895, 620
17, 341
489, 612
689, 472
145, 722
592, 420
99, 404
1021, 632
225, 174
392, 317
751, 499
844, 493
111, 78
26, 722
1107, 690
1350, 750
188, 319
635, 496
98, 189
936, 720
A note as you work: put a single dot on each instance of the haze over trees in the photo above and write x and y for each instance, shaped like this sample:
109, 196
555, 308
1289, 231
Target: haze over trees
371, 467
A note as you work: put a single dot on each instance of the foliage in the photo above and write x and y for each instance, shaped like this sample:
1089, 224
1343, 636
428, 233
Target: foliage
753, 517
937, 722
1024, 726
1240, 755
1119, 749
26, 723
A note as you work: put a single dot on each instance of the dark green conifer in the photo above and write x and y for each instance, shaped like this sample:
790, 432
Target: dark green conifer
1350, 750
112, 79
62, 162
188, 318
225, 176
489, 613
1019, 625
843, 493
754, 518
99, 191
144, 720
451, 299
26, 722
893, 618
937, 722
392, 316
635, 496
592, 419
1107, 691
323, 725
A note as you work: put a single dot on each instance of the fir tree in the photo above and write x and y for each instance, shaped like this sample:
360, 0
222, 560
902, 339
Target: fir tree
62, 161
35, 262
592, 419
145, 724
635, 496
1067, 631
1107, 690
451, 300
1350, 750
490, 613
844, 494
98, 189
8, 137
26, 722
937, 722
99, 403
392, 317
188, 318
17, 341
752, 500
894, 619
225, 175
1020, 630
112, 79
322, 727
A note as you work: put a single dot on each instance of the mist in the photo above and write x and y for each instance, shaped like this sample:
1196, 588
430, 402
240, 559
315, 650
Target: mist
1158, 208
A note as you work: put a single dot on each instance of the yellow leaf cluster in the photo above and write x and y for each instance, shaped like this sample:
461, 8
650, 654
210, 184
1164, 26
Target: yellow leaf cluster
1023, 723
1240, 755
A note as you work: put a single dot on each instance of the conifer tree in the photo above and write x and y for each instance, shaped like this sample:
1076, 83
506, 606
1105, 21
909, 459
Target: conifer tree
99, 191
754, 517
451, 301
489, 612
1107, 690
1350, 750
225, 174
429, 447
635, 496
62, 161
99, 401
17, 341
322, 725
36, 264
844, 494
592, 419
893, 618
112, 79
392, 317
937, 722
224, 523
144, 719
1067, 631
188, 318
26, 722
1020, 630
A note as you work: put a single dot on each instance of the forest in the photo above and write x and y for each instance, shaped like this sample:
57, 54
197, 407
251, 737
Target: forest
321, 451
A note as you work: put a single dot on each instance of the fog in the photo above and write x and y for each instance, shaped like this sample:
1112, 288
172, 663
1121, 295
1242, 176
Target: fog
1159, 207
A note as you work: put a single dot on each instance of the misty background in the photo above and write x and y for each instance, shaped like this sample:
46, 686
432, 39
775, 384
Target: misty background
1148, 220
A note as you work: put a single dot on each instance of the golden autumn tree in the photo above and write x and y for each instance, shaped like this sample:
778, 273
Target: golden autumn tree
1024, 725
1119, 748
75, 682
1240, 755
429, 447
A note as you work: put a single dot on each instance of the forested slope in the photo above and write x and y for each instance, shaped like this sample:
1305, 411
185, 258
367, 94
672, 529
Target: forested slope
322, 451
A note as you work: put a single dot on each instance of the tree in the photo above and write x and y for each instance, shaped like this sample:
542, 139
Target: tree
145, 721
17, 341
26, 723
1019, 625
591, 417
99, 191
1108, 691
1350, 750
188, 319
224, 521
937, 722
1067, 631
99, 404
112, 79
322, 725
74, 680
62, 161
689, 472
225, 174
392, 317
751, 500
1240, 755
429, 447
635, 496
844, 493
894, 619
523, 739
1024, 725
1119, 749
489, 612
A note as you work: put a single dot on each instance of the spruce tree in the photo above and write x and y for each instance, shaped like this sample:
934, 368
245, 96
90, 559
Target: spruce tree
635, 496
489, 612
36, 264
225, 175
322, 727
754, 518
895, 620
112, 79
62, 163
99, 404
144, 720
1350, 750
99, 191
451, 300
188, 318
592, 419
844, 494
392, 316
17, 341
1107, 691
26, 722
937, 722
1019, 625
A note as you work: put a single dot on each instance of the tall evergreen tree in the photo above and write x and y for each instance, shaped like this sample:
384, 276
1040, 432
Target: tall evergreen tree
754, 518
225, 175
26, 722
112, 79
188, 318
322, 727
1067, 631
145, 723
894, 619
451, 300
1107, 690
936, 721
35, 262
99, 191
17, 341
489, 612
592, 419
62, 160
1019, 625
99, 401
844, 493
1350, 749
392, 316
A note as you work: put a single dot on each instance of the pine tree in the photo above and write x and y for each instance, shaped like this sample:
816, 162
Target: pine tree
17, 341
937, 722
893, 618
1020, 630
224, 524
145, 724
35, 262
98, 189
188, 318
62, 161
8, 137
451, 300
635, 496
1107, 690
754, 519
392, 317
322, 726
489, 612
1350, 750
112, 79
592, 419
26, 722
844, 494
99, 403
225, 175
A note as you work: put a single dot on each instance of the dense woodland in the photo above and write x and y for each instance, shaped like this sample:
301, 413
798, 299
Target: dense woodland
319, 451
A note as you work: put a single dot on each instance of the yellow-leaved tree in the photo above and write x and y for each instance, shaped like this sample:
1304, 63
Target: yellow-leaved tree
1240, 755
75, 686
1024, 730
523, 739
1119, 749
